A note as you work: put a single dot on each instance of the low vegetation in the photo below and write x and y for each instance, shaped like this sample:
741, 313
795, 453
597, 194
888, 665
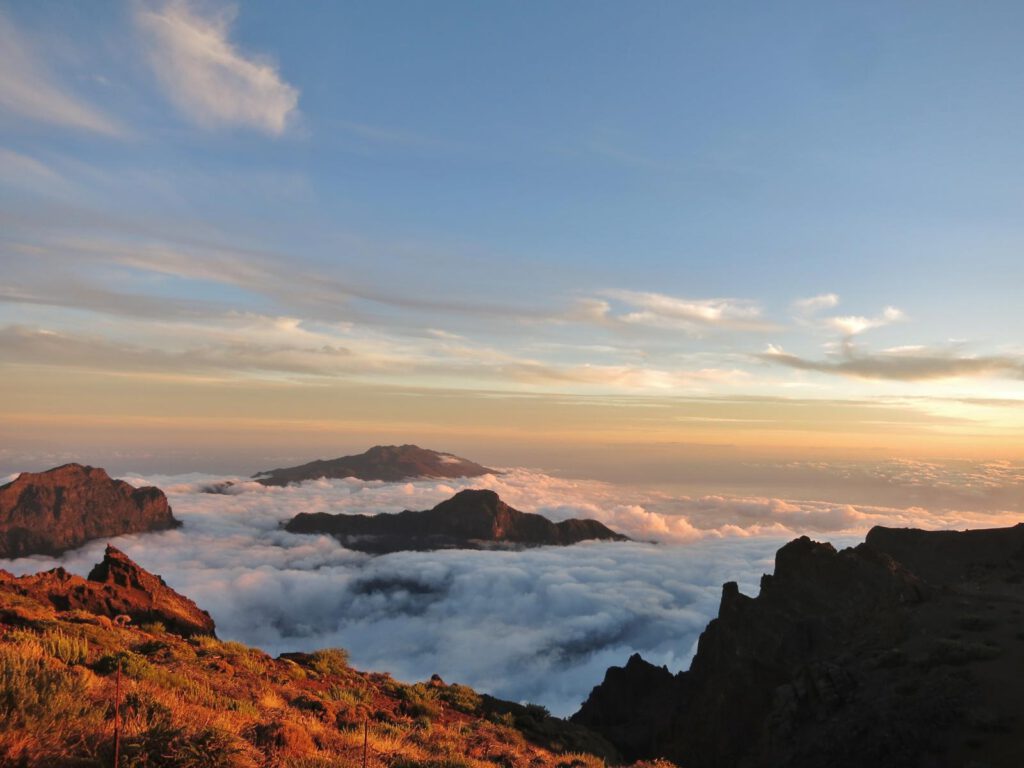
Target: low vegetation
205, 702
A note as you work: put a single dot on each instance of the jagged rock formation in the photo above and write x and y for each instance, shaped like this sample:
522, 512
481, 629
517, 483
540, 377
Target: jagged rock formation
474, 519
115, 587
46, 513
897, 652
390, 463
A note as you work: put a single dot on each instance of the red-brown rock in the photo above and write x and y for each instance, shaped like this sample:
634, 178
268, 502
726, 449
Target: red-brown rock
115, 587
46, 513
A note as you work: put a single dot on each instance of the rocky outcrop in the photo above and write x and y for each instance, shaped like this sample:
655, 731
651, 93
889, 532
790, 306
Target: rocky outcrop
115, 587
390, 463
46, 513
892, 653
474, 519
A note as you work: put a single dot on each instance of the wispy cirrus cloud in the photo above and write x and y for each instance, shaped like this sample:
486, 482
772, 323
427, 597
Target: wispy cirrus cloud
205, 74
30, 91
239, 345
901, 364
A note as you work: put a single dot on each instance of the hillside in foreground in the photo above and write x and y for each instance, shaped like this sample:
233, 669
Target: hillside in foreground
191, 700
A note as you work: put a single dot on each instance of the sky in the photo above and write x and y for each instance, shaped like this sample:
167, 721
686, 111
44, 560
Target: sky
713, 244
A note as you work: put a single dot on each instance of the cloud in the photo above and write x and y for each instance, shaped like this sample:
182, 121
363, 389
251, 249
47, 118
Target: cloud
319, 294
207, 77
808, 309
851, 325
814, 304
644, 308
905, 364
235, 344
539, 625
29, 91
15, 166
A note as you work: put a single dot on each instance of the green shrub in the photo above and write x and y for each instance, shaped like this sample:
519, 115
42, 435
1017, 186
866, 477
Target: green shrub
347, 694
46, 714
132, 664
329, 661
168, 745
71, 649
461, 697
418, 701
444, 762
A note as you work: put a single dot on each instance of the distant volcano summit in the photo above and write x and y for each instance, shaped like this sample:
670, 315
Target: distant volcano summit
475, 519
390, 463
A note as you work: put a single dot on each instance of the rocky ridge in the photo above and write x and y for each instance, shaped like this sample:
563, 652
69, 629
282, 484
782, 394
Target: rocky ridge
47, 513
389, 463
117, 586
892, 653
472, 519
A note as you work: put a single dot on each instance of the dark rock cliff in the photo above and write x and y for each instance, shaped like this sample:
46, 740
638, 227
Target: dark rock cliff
471, 519
897, 652
390, 463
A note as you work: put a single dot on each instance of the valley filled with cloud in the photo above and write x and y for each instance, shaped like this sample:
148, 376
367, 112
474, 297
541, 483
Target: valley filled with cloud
536, 625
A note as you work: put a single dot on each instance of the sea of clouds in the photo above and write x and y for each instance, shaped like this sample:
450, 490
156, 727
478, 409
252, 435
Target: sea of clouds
537, 625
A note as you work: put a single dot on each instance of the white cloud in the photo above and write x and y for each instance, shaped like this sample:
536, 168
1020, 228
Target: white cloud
29, 91
207, 77
647, 308
814, 304
539, 624
851, 325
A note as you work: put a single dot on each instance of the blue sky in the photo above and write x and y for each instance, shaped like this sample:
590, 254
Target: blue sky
798, 202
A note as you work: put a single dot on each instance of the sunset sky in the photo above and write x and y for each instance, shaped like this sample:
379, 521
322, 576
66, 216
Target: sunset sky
635, 241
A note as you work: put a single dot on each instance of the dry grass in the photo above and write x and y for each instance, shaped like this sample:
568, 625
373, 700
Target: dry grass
205, 702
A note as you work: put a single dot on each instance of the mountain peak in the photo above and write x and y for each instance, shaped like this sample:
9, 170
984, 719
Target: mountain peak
116, 586
471, 519
389, 463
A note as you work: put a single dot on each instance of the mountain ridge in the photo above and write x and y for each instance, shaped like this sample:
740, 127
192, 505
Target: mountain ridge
471, 519
890, 653
116, 586
388, 463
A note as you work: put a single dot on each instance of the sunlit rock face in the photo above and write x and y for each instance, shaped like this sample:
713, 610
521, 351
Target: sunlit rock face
117, 586
46, 513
